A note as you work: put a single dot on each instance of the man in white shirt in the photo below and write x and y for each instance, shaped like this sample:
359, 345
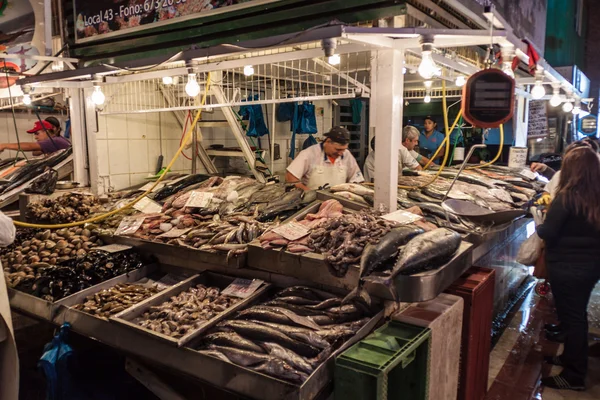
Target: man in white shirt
410, 139
406, 159
328, 162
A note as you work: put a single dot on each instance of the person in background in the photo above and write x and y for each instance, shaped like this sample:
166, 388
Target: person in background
410, 139
431, 139
405, 160
329, 162
571, 232
47, 141
56, 124
9, 360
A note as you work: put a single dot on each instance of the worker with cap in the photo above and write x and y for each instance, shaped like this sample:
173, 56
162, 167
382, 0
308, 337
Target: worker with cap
47, 140
56, 123
431, 139
327, 163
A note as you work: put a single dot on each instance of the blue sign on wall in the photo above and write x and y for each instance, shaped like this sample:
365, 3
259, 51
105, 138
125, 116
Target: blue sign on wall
588, 125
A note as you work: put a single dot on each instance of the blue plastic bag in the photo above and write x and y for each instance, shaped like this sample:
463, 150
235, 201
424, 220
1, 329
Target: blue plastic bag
308, 122
254, 115
285, 111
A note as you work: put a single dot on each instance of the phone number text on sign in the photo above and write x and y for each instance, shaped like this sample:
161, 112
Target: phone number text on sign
129, 11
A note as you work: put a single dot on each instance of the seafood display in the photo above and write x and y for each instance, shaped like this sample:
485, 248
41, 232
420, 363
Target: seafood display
186, 312
289, 336
68, 207
53, 282
113, 300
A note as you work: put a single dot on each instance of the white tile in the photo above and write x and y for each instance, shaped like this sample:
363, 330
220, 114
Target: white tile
136, 126
118, 155
170, 127
138, 156
153, 125
136, 179
116, 126
153, 153
103, 158
119, 182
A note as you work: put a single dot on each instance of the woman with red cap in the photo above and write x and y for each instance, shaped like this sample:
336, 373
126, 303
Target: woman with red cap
47, 140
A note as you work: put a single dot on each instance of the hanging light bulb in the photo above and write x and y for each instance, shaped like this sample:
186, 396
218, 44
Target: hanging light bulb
167, 80
335, 59
248, 70
191, 87
98, 97
538, 91
427, 68
577, 108
568, 106
555, 100
460, 81
403, 70
427, 98
26, 99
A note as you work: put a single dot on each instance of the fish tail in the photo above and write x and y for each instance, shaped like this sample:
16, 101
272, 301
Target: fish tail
360, 294
384, 280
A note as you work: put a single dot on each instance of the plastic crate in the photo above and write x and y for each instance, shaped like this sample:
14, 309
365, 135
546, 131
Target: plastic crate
391, 363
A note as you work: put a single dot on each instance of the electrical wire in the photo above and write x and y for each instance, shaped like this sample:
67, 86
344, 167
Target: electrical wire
132, 203
141, 69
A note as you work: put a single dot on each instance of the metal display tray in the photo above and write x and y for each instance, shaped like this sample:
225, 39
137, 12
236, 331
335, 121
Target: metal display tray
166, 253
312, 267
127, 317
257, 385
47, 310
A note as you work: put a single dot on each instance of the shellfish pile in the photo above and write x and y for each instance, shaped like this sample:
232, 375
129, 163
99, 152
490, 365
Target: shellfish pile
69, 207
111, 301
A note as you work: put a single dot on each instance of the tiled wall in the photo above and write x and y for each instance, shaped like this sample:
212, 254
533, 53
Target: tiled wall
25, 121
128, 145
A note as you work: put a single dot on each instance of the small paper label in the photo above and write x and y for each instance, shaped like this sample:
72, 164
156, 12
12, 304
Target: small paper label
175, 233
170, 280
149, 185
291, 231
402, 217
199, 199
528, 174
242, 288
113, 248
147, 206
129, 225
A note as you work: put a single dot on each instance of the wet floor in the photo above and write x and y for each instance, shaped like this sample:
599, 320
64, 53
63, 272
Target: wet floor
516, 362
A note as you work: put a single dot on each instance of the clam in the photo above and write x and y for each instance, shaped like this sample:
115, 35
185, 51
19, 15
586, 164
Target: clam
46, 234
86, 233
81, 252
49, 244
45, 253
61, 244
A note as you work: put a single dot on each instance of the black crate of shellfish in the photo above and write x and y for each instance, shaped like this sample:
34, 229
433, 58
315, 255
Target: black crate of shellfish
186, 310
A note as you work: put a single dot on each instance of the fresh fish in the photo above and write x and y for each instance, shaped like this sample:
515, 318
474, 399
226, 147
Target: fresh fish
297, 300
304, 335
325, 304
189, 180
254, 331
305, 292
467, 179
280, 369
353, 188
300, 310
352, 197
291, 358
215, 353
241, 357
280, 315
438, 211
418, 196
424, 251
232, 339
309, 196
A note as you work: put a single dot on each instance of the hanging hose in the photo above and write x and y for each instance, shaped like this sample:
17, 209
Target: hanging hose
162, 176
446, 141
497, 155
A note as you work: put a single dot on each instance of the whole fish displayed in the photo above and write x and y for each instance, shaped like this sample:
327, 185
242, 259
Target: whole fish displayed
426, 251
286, 341
353, 188
186, 312
169, 190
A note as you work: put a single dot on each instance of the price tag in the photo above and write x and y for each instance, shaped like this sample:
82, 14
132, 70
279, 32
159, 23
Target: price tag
199, 199
528, 174
402, 217
170, 280
147, 206
149, 185
242, 287
291, 231
113, 248
129, 225
175, 233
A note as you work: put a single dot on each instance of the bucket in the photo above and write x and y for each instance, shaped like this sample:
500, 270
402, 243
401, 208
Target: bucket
459, 154
517, 157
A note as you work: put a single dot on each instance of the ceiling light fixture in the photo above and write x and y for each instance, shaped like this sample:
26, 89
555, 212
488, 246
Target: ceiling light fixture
427, 68
98, 97
191, 87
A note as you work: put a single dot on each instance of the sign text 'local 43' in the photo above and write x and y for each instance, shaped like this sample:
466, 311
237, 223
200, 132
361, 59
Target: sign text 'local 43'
101, 17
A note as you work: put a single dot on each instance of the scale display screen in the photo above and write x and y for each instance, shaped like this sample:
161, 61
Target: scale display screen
489, 98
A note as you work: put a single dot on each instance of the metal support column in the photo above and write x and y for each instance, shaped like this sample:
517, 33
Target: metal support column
521, 121
388, 84
79, 108
234, 124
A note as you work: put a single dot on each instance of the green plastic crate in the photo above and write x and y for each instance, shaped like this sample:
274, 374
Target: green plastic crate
391, 363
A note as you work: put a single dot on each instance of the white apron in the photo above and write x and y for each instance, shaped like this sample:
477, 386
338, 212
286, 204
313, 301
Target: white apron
323, 173
9, 360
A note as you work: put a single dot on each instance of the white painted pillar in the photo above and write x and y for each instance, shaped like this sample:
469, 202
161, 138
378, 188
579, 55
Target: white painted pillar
387, 91
79, 140
521, 121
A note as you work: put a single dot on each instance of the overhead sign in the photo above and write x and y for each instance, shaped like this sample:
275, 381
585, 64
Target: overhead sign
488, 98
588, 125
108, 18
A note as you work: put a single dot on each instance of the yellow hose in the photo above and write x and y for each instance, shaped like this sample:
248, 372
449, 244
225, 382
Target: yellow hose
129, 205
446, 141
497, 155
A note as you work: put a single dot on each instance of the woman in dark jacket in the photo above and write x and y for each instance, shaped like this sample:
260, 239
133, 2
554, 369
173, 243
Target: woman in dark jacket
571, 232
